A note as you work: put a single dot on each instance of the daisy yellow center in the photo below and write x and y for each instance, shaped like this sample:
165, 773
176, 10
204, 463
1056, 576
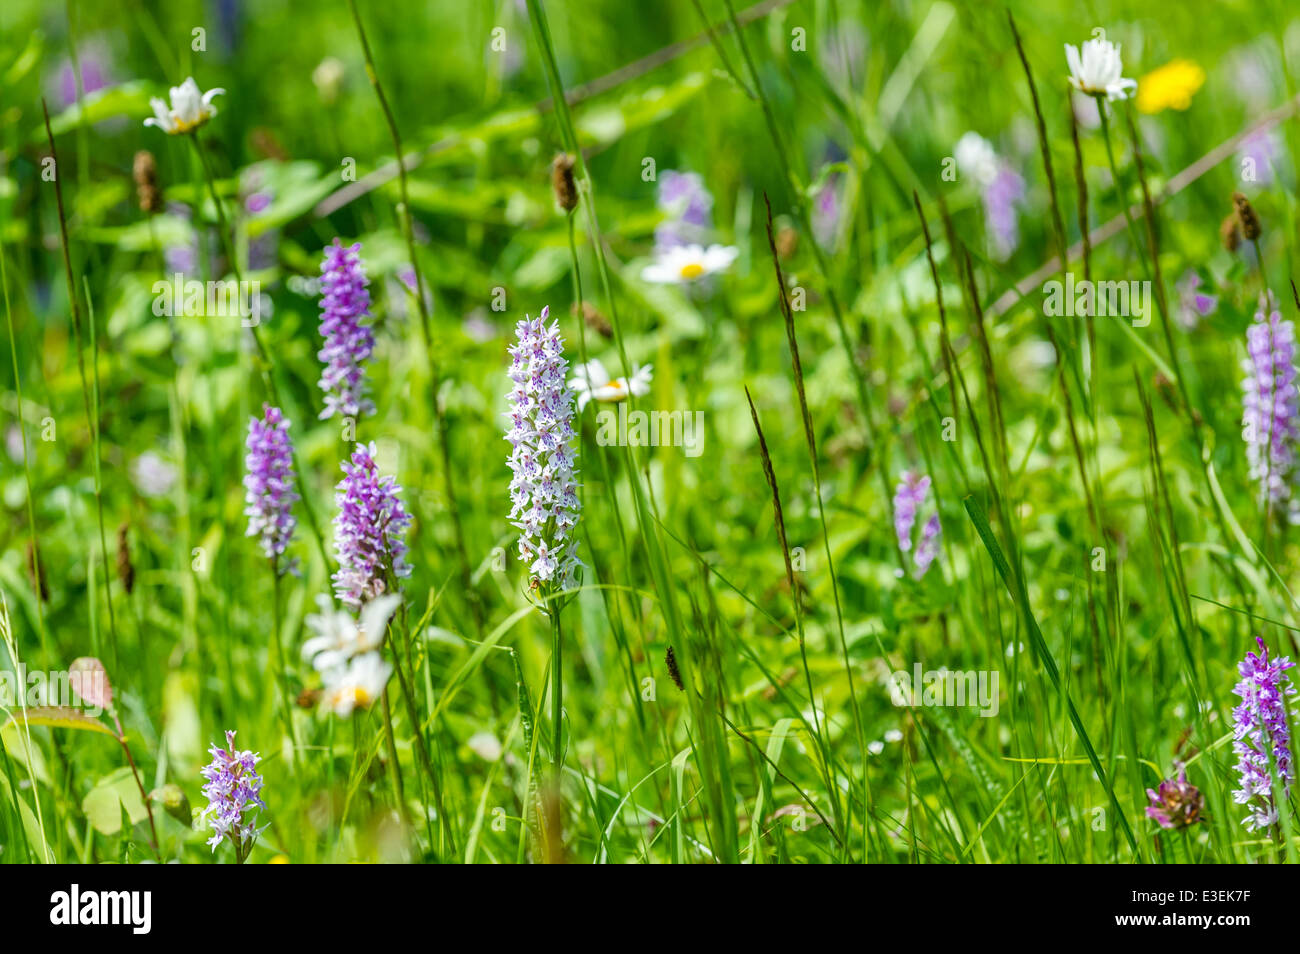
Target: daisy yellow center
182, 126
692, 270
358, 696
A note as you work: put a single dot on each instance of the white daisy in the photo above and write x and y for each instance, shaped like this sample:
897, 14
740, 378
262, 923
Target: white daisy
190, 108
1098, 70
339, 637
592, 383
152, 475
976, 158
686, 263
485, 745
356, 685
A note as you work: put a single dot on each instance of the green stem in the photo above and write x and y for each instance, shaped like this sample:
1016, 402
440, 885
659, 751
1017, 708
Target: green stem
557, 692
712, 747
144, 796
282, 677
97, 466
390, 740
227, 241
1119, 184
810, 440
823, 268
435, 380
74, 307
27, 463
421, 748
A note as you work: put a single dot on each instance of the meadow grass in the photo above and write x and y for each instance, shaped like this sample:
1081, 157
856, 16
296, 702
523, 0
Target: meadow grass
910, 462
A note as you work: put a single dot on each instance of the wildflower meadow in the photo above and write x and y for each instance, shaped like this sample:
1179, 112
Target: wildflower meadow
711, 431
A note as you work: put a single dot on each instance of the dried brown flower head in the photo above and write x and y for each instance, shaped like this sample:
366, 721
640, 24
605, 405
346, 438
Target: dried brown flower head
1246, 216
566, 190
145, 173
125, 568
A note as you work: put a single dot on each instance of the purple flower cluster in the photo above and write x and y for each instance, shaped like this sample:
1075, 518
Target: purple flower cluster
928, 547
1259, 153
544, 489
369, 530
95, 67
909, 498
1177, 803
345, 302
688, 206
1000, 218
1261, 738
1000, 188
1193, 304
1271, 408
233, 787
270, 483
826, 213
183, 257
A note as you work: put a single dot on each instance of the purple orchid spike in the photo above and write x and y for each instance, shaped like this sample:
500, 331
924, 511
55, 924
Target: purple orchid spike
270, 484
233, 788
1261, 738
345, 303
1271, 409
369, 530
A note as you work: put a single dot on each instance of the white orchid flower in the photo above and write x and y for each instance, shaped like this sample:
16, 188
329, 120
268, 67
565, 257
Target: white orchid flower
1098, 70
592, 383
189, 109
687, 263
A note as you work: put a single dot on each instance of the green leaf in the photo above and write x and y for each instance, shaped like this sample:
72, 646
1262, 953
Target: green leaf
174, 802
1016, 589
181, 716
129, 99
105, 803
58, 717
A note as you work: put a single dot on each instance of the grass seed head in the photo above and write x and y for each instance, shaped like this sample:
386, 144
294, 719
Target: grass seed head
1246, 216
125, 568
145, 173
566, 190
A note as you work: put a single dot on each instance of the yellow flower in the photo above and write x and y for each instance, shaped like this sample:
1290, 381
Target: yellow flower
1169, 87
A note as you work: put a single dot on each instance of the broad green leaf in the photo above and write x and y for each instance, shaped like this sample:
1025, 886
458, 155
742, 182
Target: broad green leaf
129, 99
181, 717
105, 802
58, 717
31, 825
